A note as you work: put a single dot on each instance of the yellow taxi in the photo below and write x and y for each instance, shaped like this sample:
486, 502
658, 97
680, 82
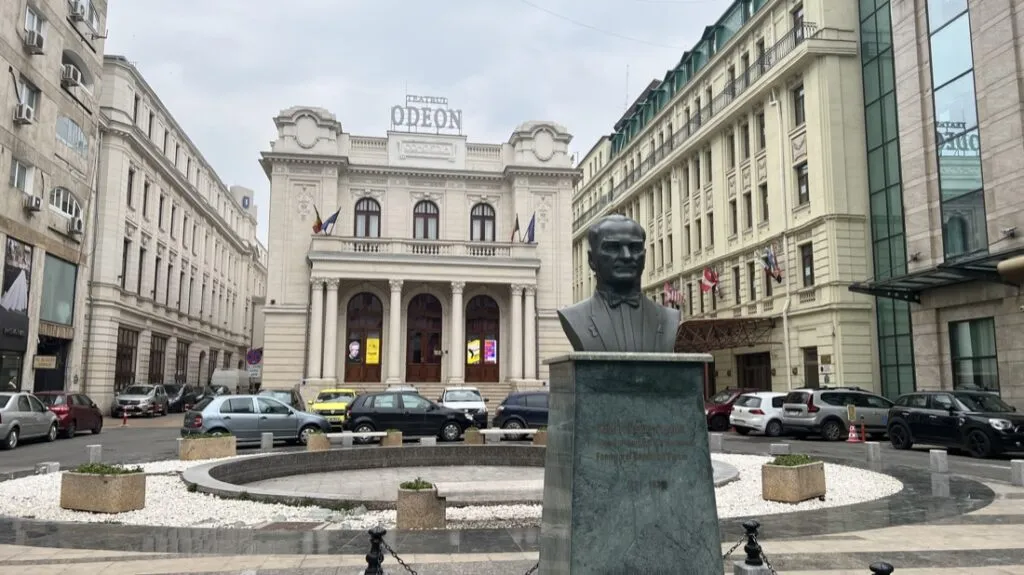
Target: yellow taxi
331, 403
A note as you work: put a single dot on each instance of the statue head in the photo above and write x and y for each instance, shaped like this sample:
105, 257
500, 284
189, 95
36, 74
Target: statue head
617, 252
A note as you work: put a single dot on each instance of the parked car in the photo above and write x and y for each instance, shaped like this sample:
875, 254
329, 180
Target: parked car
247, 417
204, 392
979, 422
148, 400
825, 412
468, 400
75, 411
23, 416
522, 410
332, 403
290, 397
718, 408
402, 387
408, 412
760, 411
178, 396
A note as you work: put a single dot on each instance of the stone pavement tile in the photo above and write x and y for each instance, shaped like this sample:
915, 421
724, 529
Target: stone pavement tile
1004, 570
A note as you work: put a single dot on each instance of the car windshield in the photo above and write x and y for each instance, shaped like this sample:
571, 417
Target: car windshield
4, 399
983, 402
721, 397
462, 395
172, 389
202, 403
332, 396
282, 396
137, 390
50, 399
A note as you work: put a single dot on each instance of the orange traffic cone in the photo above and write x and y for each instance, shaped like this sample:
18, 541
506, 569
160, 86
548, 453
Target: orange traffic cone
853, 437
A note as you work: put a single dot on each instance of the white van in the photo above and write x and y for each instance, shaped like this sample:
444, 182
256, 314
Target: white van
235, 379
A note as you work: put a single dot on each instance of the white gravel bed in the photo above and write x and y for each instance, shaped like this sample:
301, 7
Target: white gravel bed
169, 503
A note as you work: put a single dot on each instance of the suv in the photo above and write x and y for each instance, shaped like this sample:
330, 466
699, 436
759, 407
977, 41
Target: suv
523, 410
406, 411
977, 421
467, 399
825, 411
718, 408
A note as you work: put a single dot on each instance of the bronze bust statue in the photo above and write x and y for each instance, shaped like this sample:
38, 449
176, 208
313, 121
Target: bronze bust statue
618, 317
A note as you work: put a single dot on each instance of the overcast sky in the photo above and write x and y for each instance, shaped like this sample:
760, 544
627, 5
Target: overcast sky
225, 68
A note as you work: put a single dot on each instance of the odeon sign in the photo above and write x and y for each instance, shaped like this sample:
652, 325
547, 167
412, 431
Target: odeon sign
427, 112
963, 144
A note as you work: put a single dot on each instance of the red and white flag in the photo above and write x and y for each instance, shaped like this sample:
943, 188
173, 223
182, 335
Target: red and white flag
672, 295
709, 281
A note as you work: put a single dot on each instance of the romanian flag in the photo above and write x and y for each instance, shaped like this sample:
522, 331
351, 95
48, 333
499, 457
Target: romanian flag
515, 230
318, 224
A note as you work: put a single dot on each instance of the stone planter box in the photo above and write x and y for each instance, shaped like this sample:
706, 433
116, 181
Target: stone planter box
206, 447
392, 439
793, 484
103, 493
318, 442
420, 509
540, 438
473, 437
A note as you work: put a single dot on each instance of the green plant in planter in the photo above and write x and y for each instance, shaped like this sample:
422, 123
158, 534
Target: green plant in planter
417, 484
392, 430
793, 460
542, 428
106, 469
316, 432
472, 428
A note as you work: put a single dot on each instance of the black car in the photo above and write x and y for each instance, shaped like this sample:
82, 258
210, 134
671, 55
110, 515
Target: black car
523, 410
408, 412
290, 397
979, 422
178, 396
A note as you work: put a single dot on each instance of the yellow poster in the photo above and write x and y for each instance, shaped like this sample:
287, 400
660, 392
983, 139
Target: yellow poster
372, 351
473, 351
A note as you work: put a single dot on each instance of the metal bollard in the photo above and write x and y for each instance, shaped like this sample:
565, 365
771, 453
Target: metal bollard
938, 461
874, 450
1017, 472
881, 568
778, 449
95, 453
375, 558
752, 548
47, 467
267, 441
715, 442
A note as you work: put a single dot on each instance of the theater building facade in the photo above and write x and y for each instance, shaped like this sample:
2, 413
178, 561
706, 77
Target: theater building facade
422, 277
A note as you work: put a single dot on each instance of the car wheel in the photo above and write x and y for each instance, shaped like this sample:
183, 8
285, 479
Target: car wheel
832, 430
218, 432
99, 427
774, 428
363, 428
513, 424
742, 430
451, 431
71, 430
719, 423
52, 434
899, 437
978, 444
11, 441
305, 432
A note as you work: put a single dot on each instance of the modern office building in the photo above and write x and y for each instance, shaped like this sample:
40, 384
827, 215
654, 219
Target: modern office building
176, 263
51, 52
944, 118
440, 262
747, 152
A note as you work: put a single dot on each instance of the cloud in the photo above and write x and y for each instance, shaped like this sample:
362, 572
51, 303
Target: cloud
225, 68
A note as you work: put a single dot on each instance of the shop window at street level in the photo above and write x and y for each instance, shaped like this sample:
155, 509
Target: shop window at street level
972, 347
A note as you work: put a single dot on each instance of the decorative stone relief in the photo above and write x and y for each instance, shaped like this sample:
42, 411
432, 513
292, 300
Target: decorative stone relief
332, 283
280, 168
800, 146
745, 178
428, 196
303, 200
762, 169
379, 181
732, 186
456, 185
428, 150
530, 290
517, 289
457, 287
306, 131
397, 181
544, 211
474, 199
317, 283
130, 229
160, 248
145, 239
396, 285
543, 145
306, 170
495, 187
361, 193
424, 183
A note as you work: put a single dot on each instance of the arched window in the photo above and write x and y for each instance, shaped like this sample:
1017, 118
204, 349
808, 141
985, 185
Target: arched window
481, 223
425, 216
72, 135
367, 219
63, 202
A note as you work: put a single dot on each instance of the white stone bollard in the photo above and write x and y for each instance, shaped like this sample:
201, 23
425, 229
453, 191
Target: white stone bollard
266, 441
1017, 472
778, 449
715, 442
874, 451
495, 437
47, 467
938, 461
95, 453
346, 440
428, 441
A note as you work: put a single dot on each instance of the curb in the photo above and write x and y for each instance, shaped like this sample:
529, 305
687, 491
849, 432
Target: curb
16, 474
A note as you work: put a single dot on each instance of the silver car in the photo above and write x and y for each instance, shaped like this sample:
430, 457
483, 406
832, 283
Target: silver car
141, 400
23, 416
247, 417
825, 411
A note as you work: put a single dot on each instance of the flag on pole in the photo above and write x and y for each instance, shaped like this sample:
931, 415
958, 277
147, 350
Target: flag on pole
515, 230
672, 295
709, 281
531, 229
318, 224
771, 264
330, 221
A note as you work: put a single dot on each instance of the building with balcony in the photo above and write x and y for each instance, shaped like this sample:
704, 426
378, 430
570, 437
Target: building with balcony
51, 52
748, 148
424, 277
944, 121
176, 264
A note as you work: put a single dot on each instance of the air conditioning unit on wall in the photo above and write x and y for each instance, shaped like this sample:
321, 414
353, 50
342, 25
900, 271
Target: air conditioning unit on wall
70, 76
78, 10
34, 42
24, 114
76, 226
33, 203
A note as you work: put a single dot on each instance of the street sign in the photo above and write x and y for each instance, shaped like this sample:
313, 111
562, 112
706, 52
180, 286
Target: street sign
825, 369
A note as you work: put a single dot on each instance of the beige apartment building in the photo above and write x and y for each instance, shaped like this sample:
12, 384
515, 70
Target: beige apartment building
51, 52
749, 145
423, 278
949, 218
177, 264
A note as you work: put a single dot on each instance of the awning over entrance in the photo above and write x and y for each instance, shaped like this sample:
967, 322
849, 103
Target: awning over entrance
707, 335
978, 267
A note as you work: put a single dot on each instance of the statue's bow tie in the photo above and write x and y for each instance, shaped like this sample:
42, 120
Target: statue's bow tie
615, 300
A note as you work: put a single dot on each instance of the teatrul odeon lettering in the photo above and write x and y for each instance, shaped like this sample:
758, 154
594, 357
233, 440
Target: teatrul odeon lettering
954, 141
426, 117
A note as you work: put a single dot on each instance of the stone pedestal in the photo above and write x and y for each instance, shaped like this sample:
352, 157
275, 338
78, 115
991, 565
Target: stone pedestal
628, 481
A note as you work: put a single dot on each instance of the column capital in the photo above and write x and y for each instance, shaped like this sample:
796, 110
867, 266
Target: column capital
530, 290
457, 287
332, 283
517, 289
396, 285
317, 283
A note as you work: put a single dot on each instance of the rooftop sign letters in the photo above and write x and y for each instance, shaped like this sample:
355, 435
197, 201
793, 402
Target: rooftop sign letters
426, 113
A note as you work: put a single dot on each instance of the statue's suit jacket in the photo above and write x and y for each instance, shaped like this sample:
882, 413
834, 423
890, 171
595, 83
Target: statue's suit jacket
589, 327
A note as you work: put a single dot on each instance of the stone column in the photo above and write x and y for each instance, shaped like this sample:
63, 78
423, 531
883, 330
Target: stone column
515, 368
530, 341
393, 351
316, 330
457, 355
331, 330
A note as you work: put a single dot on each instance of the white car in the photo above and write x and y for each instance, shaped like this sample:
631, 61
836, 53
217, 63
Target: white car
468, 400
760, 411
